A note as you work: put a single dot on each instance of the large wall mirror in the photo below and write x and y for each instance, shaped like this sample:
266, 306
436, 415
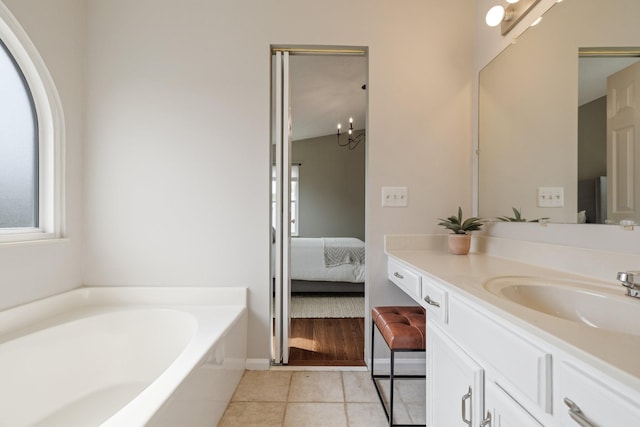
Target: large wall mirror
546, 121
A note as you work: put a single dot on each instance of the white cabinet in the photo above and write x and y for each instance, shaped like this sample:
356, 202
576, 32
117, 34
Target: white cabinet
486, 369
582, 400
456, 380
523, 368
501, 410
461, 391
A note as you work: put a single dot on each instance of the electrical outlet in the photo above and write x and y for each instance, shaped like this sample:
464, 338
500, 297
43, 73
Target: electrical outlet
396, 197
550, 197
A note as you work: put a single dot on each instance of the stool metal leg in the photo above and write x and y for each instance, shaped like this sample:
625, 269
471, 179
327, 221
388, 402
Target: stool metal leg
373, 336
393, 353
392, 376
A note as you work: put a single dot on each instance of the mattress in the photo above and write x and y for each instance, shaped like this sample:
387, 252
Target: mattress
308, 260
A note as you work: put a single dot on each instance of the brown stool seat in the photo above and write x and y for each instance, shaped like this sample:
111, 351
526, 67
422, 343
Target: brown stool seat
403, 328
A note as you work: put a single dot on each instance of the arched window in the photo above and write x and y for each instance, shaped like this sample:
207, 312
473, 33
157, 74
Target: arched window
18, 148
31, 140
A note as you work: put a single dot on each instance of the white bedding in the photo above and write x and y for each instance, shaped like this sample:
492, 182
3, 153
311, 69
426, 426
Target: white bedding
308, 261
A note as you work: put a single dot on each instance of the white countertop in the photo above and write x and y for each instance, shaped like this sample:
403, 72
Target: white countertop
615, 354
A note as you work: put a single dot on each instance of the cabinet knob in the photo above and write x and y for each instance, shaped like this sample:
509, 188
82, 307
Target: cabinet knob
398, 275
577, 415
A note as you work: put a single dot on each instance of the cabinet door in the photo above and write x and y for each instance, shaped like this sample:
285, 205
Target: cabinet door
503, 411
524, 365
454, 383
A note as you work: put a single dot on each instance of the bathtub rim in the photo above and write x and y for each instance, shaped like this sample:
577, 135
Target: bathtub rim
43, 312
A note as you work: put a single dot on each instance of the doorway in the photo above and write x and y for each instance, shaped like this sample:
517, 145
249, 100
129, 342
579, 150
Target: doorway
318, 206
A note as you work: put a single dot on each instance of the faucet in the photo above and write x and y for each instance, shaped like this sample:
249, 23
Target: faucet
630, 280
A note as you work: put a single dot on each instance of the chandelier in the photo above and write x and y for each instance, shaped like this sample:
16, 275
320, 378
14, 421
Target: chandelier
352, 141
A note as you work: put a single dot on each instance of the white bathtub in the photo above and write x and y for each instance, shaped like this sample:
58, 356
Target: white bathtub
121, 357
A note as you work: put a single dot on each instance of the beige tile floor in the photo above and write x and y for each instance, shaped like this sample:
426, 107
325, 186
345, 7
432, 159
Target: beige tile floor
319, 398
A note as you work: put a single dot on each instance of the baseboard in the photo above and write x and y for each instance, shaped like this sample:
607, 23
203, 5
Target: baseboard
403, 365
257, 364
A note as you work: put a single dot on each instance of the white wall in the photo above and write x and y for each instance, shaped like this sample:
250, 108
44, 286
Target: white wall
177, 155
331, 187
37, 269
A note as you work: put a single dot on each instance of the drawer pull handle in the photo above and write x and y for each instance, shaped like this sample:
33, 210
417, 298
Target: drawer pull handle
464, 407
487, 421
398, 275
431, 302
577, 415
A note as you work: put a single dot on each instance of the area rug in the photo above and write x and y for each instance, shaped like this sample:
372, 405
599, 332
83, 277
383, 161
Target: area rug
313, 307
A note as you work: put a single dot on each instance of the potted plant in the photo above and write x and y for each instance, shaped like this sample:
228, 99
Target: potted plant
460, 239
517, 217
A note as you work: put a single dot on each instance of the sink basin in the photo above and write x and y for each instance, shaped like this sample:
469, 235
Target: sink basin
591, 305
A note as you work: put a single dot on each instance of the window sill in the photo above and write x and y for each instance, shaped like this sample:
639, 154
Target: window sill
27, 235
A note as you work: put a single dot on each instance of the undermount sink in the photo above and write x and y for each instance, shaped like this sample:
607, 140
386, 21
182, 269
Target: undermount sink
591, 305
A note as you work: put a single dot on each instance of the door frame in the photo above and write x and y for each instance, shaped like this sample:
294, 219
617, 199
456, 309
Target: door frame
280, 107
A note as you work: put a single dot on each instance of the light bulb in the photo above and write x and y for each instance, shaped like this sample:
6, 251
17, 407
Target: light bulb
339, 126
495, 16
350, 119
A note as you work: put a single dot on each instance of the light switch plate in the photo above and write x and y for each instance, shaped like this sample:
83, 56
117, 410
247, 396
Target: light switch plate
395, 197
550, 197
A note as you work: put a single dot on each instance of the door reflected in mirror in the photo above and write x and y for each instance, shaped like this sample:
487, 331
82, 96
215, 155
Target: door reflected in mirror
606, 143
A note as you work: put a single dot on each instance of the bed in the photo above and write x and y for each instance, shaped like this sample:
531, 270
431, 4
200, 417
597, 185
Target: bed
327, 264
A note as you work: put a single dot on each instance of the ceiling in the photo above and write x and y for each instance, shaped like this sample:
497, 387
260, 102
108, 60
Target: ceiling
593, 74
327, 90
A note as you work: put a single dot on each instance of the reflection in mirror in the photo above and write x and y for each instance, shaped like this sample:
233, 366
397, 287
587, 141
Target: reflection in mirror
598, 70
528, 126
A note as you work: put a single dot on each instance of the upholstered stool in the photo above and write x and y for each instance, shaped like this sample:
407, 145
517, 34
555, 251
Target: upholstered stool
404, 330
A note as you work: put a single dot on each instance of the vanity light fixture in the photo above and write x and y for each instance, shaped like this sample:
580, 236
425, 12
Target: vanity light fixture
352, 141
537, 21
508, 17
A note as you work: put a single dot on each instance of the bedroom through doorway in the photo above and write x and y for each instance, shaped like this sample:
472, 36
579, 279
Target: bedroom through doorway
322, 276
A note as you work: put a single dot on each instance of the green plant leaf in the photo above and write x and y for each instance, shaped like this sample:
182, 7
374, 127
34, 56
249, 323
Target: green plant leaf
460, 226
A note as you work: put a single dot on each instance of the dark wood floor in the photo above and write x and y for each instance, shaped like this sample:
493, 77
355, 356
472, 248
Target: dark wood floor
327, 342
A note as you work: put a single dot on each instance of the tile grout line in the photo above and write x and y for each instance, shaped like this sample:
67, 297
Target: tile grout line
344, 399
286, 403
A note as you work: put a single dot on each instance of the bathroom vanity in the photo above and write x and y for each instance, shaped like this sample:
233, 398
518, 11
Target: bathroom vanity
513, 344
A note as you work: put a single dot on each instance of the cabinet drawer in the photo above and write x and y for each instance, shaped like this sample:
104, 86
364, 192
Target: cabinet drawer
524, 368
435, 299
405, 278
599, 404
